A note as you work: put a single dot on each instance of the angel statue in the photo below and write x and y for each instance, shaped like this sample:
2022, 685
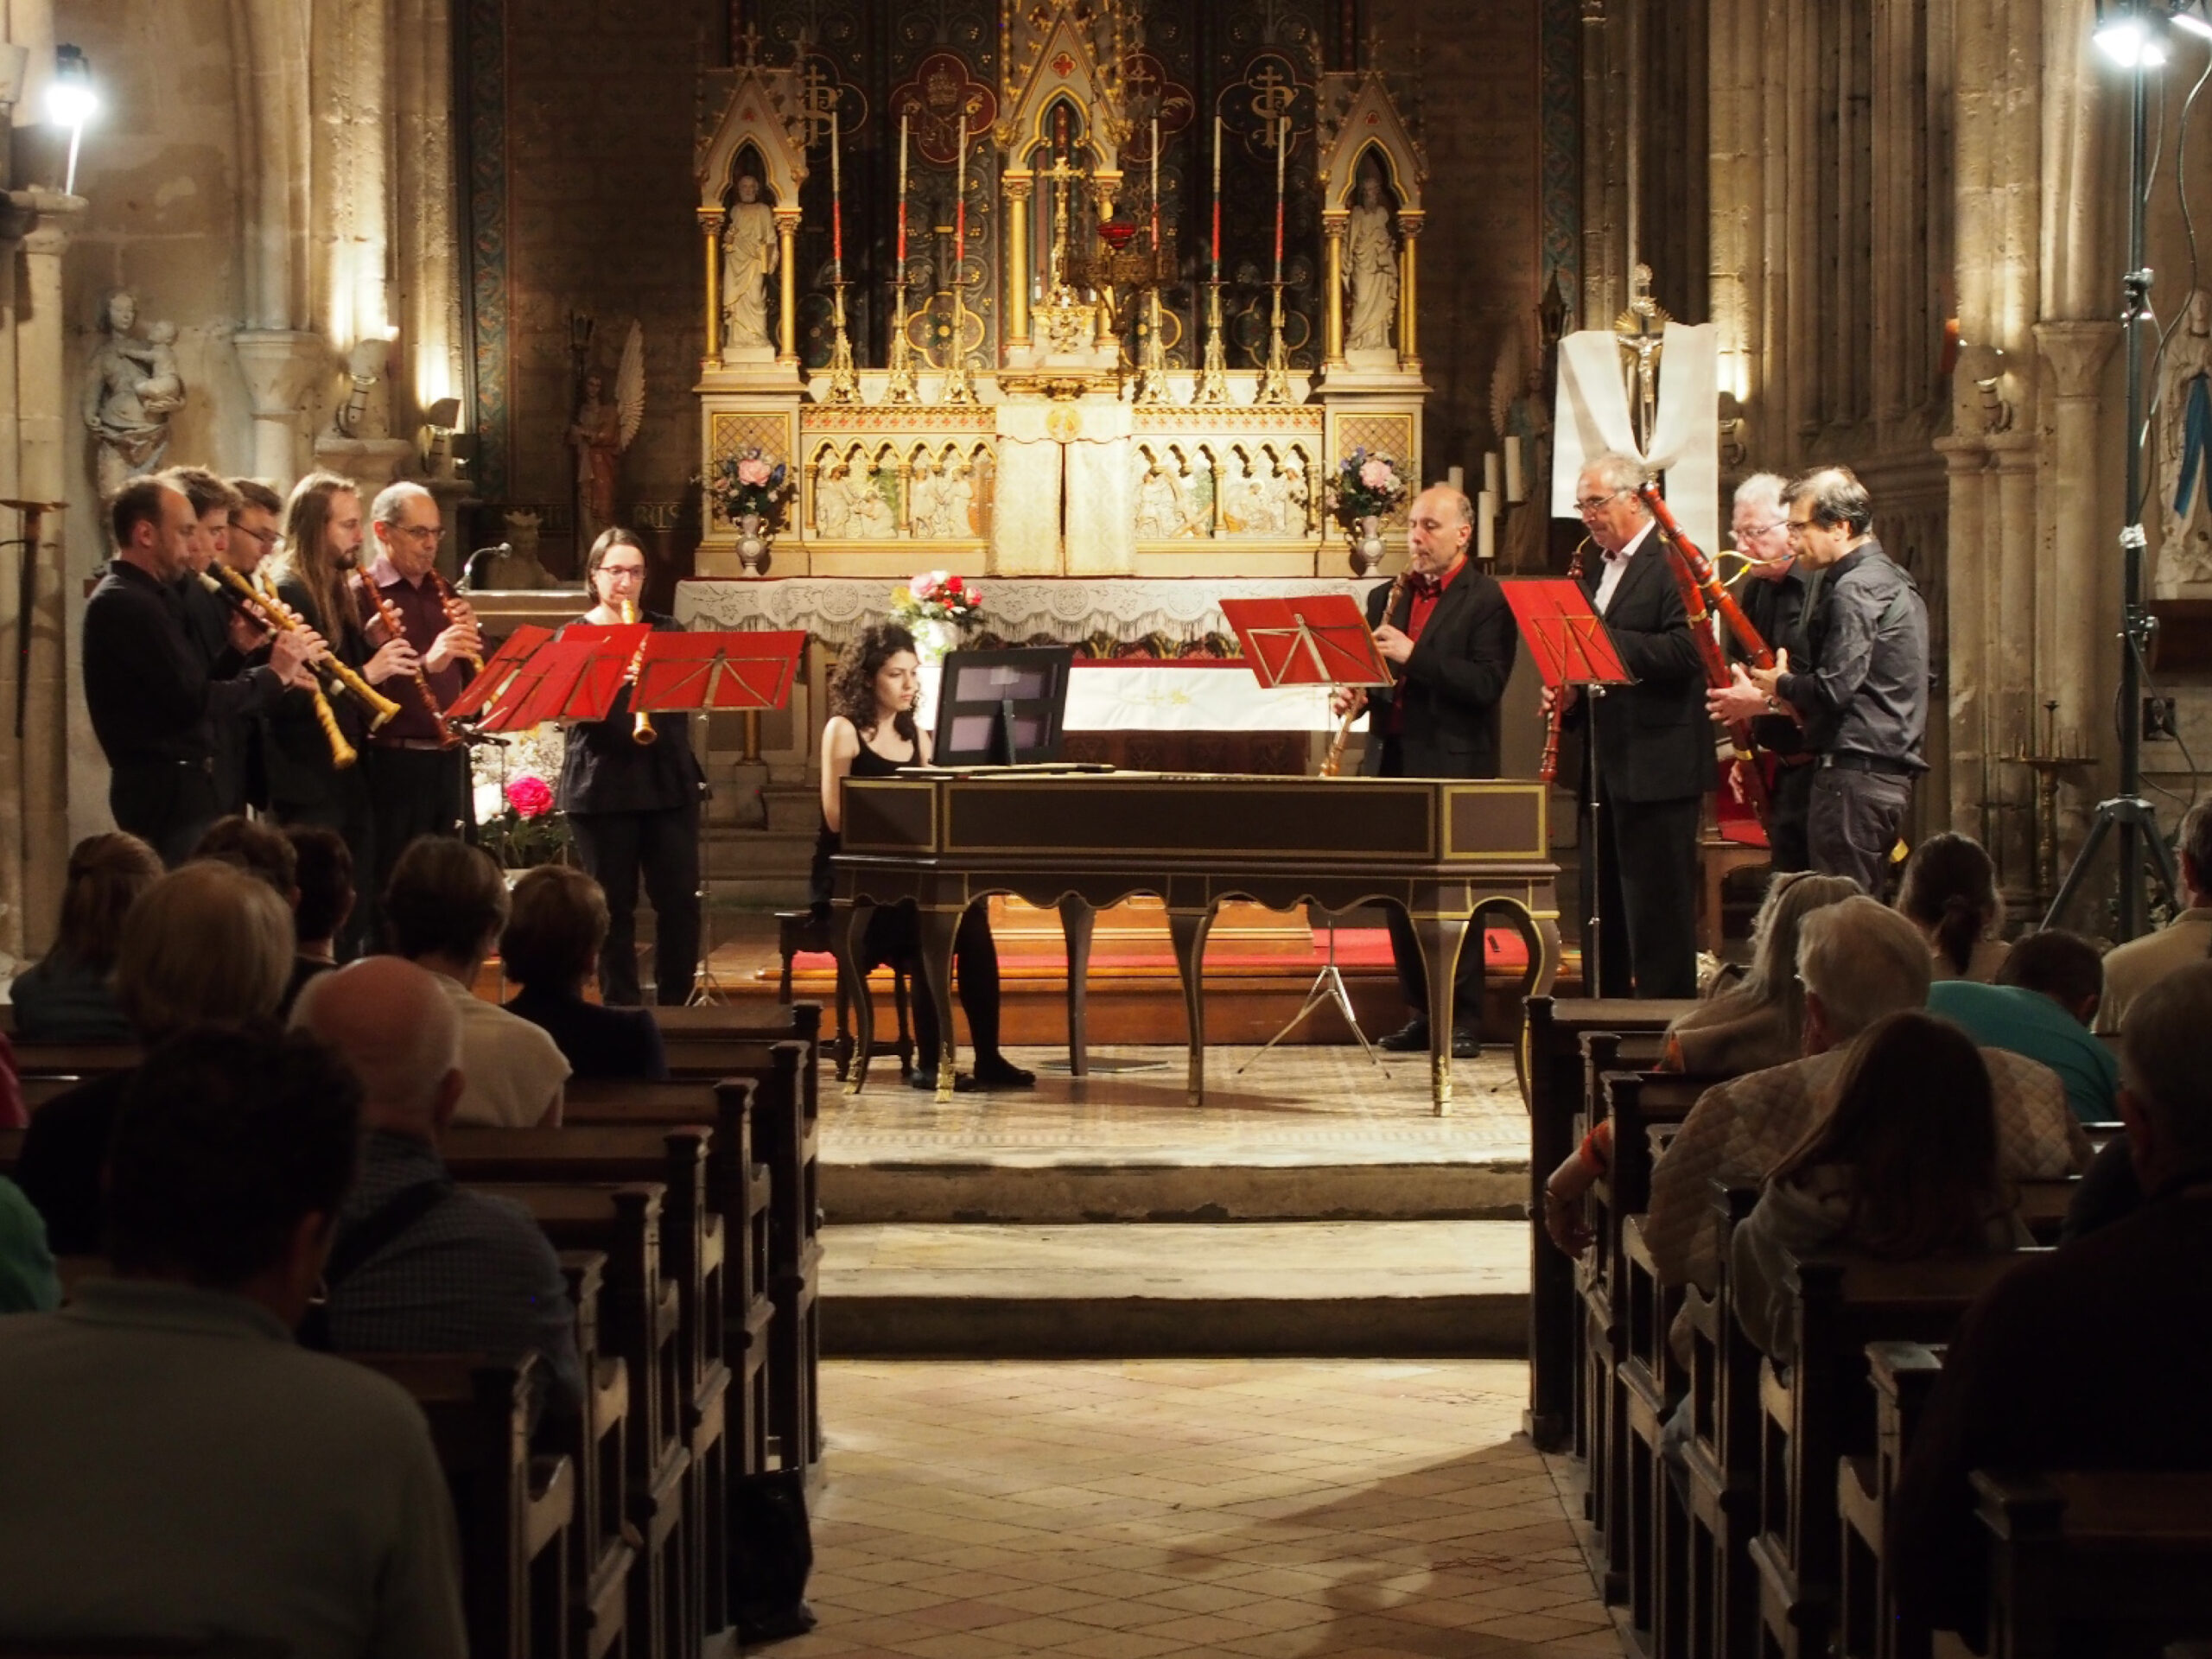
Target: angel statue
601, 431
131, 388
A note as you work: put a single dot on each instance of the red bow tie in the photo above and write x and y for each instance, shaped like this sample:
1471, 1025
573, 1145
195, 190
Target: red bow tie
1427, 586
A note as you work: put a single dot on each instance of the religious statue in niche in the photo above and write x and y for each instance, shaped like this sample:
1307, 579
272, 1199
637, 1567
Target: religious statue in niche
1370, 271
749, 256
132, 387
602, 430
2185, 449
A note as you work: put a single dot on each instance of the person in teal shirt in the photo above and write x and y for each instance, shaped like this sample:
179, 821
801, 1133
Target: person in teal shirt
28, 1284
2040, 1008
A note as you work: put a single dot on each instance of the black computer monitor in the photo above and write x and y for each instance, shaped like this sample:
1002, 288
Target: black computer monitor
1003, 708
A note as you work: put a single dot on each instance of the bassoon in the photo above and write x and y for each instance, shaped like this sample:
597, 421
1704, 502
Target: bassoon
395, 627
1548, 769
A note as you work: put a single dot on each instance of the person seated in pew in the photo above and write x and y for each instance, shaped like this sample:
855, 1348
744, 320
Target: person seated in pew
12, 1115
557, 926
29, 1283
2045, 995
208, 945
872, 733
1949, 892
1860, 960
1903, 1168
325, 866
1756, 1022
2134, 967
2096, 1356
176, 1466
68, 994
417, 1265
259, 849
443, 910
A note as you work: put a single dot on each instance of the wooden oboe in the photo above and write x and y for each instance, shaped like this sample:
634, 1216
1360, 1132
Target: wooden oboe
395, 627
449, 598
1548, 769
1335, 758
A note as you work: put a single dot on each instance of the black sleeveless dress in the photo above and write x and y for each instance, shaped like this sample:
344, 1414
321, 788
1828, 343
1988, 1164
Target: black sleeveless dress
866, 764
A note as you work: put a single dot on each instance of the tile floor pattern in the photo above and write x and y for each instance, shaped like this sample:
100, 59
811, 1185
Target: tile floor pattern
1176, 1508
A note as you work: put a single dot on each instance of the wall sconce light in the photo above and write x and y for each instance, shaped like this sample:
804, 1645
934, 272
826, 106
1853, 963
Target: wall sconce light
438, 423
71, 102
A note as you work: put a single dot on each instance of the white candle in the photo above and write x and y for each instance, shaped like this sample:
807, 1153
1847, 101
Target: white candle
1486, 526
1493, 474
1456, 477
1517, 486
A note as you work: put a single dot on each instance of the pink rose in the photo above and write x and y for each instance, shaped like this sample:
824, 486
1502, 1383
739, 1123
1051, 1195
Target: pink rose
1376, 474
529, 796
753, 470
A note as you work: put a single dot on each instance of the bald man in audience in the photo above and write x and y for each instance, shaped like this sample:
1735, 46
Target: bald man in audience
1860, 960
2098, 1356
2134, 967
419, 1266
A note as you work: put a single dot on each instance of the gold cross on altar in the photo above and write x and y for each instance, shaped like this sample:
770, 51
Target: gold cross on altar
1641, 331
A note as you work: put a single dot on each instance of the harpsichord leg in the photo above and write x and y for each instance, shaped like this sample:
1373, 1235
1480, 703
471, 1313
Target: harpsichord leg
1188, 928
1441, 939
1077, 920
847, 941
937, 929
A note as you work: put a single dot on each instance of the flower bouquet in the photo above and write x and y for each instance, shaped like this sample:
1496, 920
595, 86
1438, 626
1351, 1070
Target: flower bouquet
516, 822
1367, 486
747, 485
935, 607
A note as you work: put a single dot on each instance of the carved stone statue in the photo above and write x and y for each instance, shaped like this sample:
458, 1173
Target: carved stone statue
869, 516
957, 510
1370, 272
923, 496
749, 256
601, 431
833, 505
2185, 537
1157, 518
1297, 497
131, 389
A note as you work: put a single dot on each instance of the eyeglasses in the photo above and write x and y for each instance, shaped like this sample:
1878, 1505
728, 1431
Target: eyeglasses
1797, 527
431, 535
623, 572
267, 538
1590, 504
1758, 530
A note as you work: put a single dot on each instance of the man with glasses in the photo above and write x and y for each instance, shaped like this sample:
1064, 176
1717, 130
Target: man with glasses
417, 776
1772, 593
1654, 749
1861, 684
254, 527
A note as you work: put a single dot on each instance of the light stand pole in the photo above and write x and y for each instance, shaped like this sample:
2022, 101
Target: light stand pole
2142, 850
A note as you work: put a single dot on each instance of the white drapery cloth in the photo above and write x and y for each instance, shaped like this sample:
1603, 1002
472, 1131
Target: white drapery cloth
1592, 419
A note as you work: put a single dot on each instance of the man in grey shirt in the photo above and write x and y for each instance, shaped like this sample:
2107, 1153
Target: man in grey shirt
175, 1466
1863, 693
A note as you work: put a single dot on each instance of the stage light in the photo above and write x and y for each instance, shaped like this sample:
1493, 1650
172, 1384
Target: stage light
2192, 19
71, 102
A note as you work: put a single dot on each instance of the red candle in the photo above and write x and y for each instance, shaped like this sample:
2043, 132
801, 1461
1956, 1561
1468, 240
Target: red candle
902, 198
836, 203
1282, 147
1217, 198
960, 203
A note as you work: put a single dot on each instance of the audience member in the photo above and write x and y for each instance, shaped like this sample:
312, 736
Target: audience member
12, 1115
2045, 995
443, 910
1859, 962
325, 864
175, 1464
2098, 1356
1903, 1168
68, 995
1949, 892
2134, 967
555, 929
419, 1265
27, 1282
259, 848
207, 944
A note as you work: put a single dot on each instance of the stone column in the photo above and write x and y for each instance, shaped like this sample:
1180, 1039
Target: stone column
1017, 188
710, 227
1967, 567
2078, 560
280, 365
787, 284
1333, 341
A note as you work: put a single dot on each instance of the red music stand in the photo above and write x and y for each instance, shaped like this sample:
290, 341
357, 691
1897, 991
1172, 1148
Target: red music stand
574, 676
498, 669
1312, 639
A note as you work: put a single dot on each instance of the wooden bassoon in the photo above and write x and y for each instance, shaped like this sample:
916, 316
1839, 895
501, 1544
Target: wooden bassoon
1548, 770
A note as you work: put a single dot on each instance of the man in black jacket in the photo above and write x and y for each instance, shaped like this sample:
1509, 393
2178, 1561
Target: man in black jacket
1452, 636
1654, 749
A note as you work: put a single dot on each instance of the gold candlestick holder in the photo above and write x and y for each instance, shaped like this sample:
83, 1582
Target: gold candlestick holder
1213, 377
1274, 380
1152, 375
845, 381
899, 384
959, 380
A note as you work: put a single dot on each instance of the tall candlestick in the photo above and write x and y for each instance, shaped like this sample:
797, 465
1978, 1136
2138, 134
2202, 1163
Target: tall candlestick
1486, 526
1156, 188
960, 202
1282, 148
1493, 473
902, 198
1456, 477
1516, 489
836, 203
1216, 198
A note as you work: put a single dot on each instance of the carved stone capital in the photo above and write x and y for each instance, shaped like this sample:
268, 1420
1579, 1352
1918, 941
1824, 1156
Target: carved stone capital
2077, 353
279, 366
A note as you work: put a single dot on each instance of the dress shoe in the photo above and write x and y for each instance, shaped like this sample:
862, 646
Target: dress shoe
1412, 1038
1466, 1044
996, 1072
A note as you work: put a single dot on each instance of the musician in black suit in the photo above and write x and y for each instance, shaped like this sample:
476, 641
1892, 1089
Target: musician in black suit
1451, 637
1654, 749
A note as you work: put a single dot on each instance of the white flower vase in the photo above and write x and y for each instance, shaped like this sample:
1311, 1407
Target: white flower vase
1367, 552
752, 545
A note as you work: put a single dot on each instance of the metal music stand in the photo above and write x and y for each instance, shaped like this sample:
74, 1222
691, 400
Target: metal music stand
1314, 639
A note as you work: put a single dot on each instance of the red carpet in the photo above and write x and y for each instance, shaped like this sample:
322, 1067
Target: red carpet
1357, 947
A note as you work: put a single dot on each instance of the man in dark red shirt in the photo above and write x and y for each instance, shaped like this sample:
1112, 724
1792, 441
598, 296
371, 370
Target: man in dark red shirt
1451, 638
418, 774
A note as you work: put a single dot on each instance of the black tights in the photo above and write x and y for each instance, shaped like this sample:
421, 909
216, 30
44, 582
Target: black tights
893, 937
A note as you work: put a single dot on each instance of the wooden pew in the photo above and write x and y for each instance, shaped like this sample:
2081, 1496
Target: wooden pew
600, 1554
515, 1512
2104, 1561
1903, 1374
1719, 1617
1555, 1088
693, 1254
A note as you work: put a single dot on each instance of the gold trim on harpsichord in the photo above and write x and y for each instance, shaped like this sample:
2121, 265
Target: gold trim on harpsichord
1501, 789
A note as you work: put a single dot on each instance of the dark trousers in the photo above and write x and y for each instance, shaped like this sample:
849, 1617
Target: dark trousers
1855, 822
1789, 803
166, 803
1647, 892
892, 937
1413, 972
612, 846
411, 792
345, 808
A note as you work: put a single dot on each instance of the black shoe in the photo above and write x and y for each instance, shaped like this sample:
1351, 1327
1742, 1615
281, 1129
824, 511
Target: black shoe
996, 1072
1412, 1038
926, 1077
1466, 1044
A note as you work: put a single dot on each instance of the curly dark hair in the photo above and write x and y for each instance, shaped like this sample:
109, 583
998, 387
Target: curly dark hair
852, 682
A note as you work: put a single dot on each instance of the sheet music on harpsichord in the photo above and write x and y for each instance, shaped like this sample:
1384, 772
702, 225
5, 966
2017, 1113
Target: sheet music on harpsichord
1647, 388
